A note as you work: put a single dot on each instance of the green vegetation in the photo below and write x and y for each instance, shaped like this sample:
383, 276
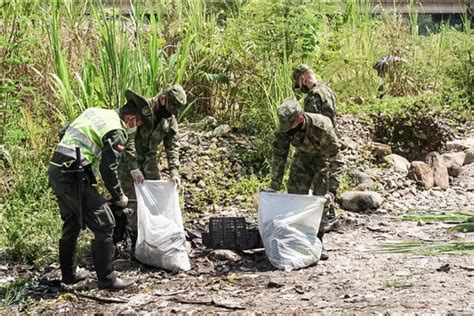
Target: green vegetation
426, 248
13, 292
431, 218
234, 58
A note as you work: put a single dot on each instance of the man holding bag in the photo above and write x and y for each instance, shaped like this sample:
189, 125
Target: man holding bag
314, 138
93, 142
141, 160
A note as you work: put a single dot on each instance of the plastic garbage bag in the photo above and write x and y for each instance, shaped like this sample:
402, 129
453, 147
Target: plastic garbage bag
161, 238
289, 224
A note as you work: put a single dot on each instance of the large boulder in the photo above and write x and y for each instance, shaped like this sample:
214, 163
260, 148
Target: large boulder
440, 171
460, 144
397, 162
421, 173
454, 162
379, 150
469, 156
357, 201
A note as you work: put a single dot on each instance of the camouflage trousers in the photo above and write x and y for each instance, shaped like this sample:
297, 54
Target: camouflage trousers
151, 172
307, 172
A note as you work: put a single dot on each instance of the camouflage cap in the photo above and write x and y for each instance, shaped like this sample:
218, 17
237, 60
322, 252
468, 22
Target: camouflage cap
142, 103
297, 74
176, 97
287, 114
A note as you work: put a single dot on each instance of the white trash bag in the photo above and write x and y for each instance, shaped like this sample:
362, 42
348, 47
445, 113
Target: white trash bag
161, 239
288, 225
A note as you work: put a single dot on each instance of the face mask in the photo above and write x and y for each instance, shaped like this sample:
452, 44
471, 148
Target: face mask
293, 131
162, 113
131, 130
305, 89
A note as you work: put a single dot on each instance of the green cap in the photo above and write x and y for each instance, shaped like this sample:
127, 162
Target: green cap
176, 97
297, 74
141, 102
287, 114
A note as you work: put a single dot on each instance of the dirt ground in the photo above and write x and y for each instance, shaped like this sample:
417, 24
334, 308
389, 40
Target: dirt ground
356, 279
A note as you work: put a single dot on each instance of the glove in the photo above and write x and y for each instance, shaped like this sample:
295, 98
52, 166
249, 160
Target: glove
329, 198
176, 180
137, 176
122, 202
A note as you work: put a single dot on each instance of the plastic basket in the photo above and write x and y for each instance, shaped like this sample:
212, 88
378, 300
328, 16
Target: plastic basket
231, 233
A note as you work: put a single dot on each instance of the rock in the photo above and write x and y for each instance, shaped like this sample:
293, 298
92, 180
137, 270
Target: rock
440, 171
460, 144
398, 163
362, 180
221, 130
422, 174
454, 162
207, 123
347, 143
469, 156
357, 201
379, 150
224, 254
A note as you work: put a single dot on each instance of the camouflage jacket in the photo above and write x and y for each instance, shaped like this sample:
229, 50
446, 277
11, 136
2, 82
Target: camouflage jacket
319, 139
143, 147
322, 100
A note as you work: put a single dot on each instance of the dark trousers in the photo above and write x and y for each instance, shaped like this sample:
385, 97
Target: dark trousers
97, 214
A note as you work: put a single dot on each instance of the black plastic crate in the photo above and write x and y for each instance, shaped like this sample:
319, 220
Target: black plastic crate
231, 233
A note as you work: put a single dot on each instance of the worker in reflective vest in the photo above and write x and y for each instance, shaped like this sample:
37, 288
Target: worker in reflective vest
92, 143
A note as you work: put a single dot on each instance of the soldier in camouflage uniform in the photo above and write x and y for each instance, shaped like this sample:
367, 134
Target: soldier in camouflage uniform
322, 100
314, 138
141, 160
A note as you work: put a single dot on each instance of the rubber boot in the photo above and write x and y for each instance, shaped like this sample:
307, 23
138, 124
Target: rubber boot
67, 261
133, 242
324, 253
333, 222
102, 255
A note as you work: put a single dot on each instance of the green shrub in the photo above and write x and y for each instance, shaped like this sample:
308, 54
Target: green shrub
30, 222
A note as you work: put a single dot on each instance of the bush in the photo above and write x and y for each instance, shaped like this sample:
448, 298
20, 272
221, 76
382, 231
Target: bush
29, 217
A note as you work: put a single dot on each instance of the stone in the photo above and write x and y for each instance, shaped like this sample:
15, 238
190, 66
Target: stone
454, 162
460, 144
379, 150
357, 201
469, 156
397, 162
347, 143
221, 130
223, 255
440, 171
422, 174
362, 180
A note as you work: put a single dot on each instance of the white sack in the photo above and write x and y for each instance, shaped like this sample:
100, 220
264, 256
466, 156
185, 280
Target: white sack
161, 239
288, 225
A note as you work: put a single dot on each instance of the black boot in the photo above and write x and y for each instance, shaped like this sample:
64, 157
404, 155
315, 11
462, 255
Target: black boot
67, 261
324, 253
102, 255
333, 222
133, 242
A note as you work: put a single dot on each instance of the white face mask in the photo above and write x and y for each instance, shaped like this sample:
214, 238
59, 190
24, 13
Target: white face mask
131, 130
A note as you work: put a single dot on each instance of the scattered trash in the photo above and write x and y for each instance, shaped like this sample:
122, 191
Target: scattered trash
444, 268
